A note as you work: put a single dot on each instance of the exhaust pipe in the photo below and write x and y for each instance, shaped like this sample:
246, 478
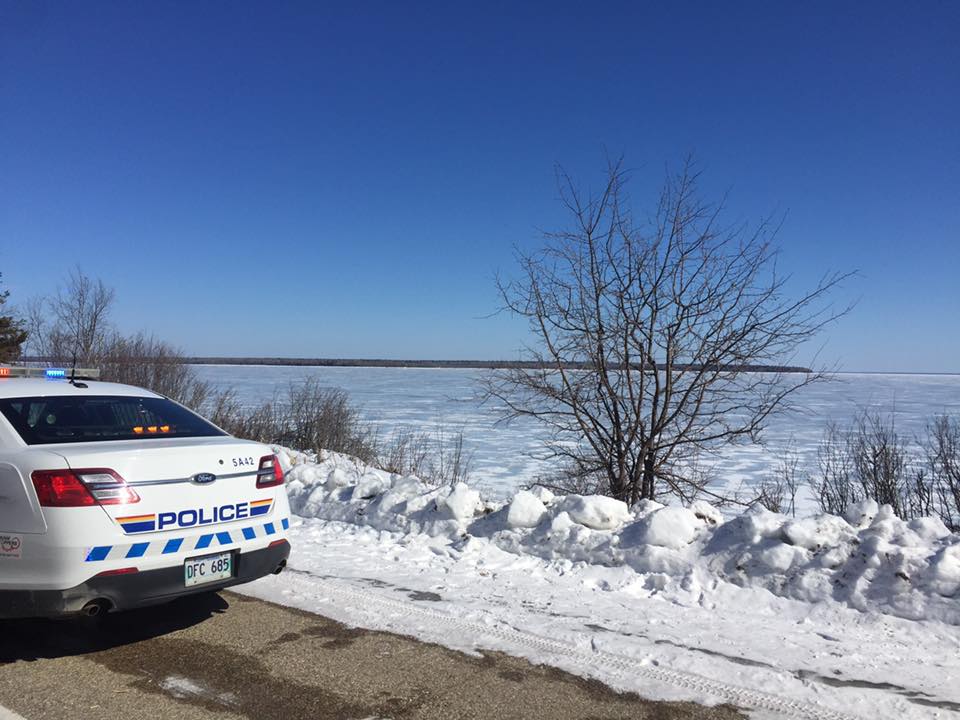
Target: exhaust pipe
95, 608
280, 567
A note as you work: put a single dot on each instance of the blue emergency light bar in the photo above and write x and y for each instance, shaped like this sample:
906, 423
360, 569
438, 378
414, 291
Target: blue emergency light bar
49, 373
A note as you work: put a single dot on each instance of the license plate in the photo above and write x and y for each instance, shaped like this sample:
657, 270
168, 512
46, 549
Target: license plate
207, 569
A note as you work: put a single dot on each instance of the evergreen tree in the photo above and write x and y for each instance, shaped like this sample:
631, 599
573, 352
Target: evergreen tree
12, 334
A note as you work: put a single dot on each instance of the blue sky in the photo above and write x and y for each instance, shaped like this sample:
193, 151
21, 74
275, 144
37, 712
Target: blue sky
345, 180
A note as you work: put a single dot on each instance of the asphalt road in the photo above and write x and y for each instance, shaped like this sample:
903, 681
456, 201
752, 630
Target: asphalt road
229, 656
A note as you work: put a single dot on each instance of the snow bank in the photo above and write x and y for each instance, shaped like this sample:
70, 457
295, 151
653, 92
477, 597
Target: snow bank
870, 560
337, 487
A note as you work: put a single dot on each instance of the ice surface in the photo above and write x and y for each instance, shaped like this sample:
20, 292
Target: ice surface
428, 399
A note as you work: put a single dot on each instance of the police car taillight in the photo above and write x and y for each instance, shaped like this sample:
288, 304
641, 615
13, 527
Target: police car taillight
81, 488
270, 473
61, 488
107, 486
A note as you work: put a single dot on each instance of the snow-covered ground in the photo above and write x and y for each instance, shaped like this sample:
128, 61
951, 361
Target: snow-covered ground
819, 618
424, 399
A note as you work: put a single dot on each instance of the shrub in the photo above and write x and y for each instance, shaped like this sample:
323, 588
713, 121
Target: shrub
833, 484
778, 492
872, 461
943, 459
153, 364
880, 461
312, 417
439, 459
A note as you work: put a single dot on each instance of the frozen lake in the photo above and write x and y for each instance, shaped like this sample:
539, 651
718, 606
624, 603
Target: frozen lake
426, 399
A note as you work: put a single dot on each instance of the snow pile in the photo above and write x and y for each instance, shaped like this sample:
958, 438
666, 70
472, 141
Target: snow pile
870, 560
670, 527
461, 503
596, 512
341, 488
525, 511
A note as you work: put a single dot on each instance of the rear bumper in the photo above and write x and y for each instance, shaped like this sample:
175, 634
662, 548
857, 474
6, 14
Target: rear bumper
125, 592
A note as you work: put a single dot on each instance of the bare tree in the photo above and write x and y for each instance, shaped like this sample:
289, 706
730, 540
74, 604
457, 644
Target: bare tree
880, 461
943, 458
147, 362
74, 324
834, 485
645, 336
82, 309
36, 319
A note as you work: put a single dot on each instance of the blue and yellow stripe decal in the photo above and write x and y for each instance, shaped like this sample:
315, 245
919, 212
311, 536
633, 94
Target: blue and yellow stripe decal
173, 546
138, 523
260, 507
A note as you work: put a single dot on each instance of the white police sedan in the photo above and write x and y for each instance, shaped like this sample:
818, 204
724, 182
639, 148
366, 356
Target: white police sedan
113, 497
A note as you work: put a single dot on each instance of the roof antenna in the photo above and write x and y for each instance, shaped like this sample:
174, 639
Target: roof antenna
73, 373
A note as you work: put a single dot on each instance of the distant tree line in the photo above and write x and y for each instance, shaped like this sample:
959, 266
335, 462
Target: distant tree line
464, 364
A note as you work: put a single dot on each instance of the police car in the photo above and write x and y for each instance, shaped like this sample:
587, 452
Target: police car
113, 497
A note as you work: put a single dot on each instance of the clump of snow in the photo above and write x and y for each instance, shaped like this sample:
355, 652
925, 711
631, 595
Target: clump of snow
184, 688
371, 484
338, 478
338, 488
945, 572
818, 532
562, 523
870, 561
645, 507
706, 512
929, 528
781, 558
525, 510
289, 457
405, 495
462, 502
670, 527
542, 494
596, 511
862, 513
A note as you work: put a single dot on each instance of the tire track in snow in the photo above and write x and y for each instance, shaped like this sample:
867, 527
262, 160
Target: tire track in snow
599, 659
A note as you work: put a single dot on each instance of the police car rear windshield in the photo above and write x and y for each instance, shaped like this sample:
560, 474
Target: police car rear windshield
72, 419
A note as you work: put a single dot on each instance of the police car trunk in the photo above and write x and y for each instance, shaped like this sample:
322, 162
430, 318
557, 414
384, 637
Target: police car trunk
117, 498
